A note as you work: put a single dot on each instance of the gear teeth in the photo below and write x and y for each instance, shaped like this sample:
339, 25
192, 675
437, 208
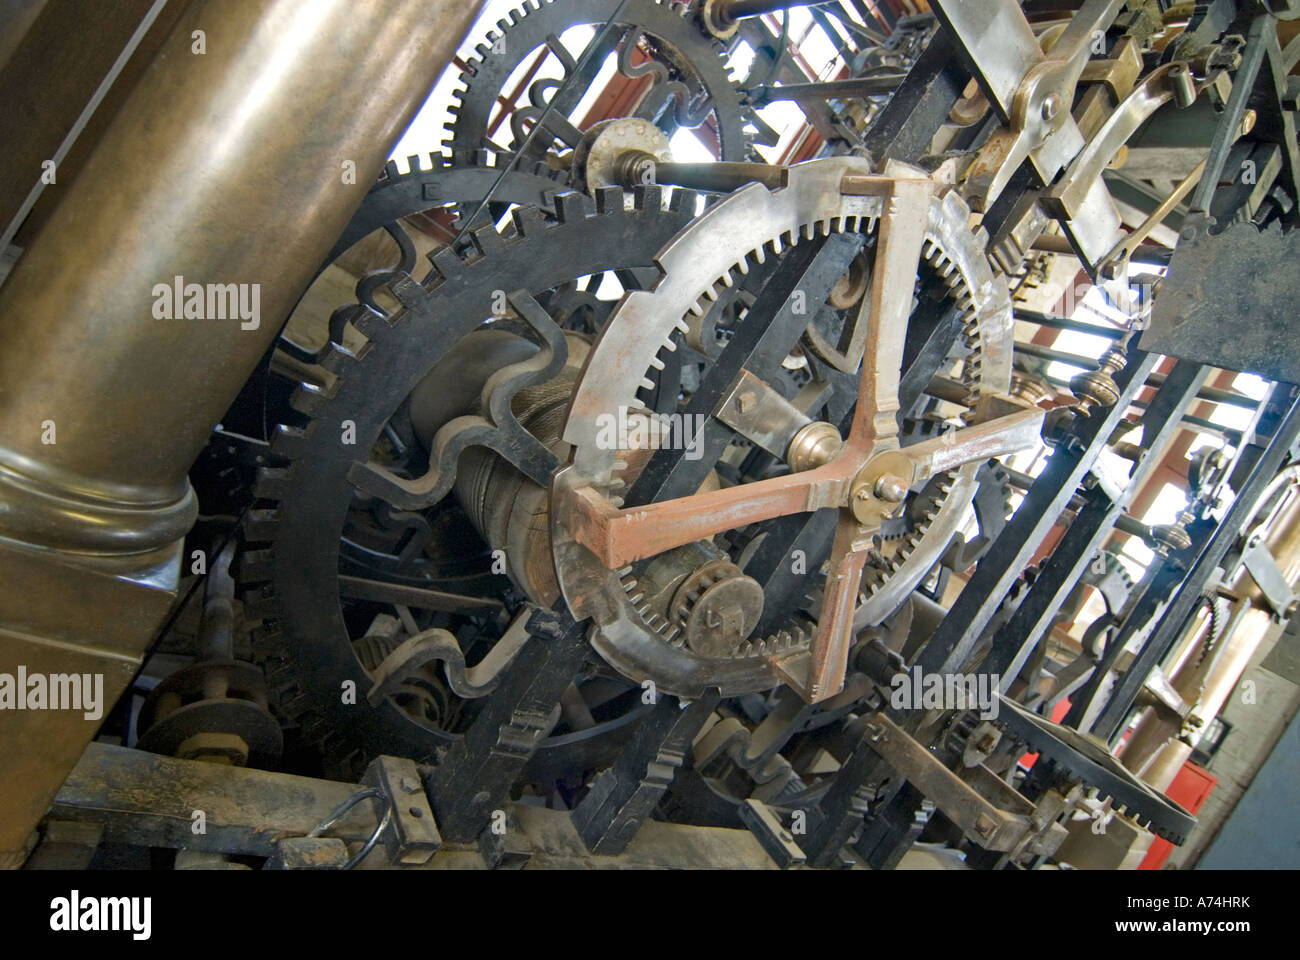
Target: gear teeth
289, 442
683, 200
527, 219
406, 291
648, 197
571, 206
486, 239
271, 483
259, 604
261, 526
365, 323
308, 399
336, 359
390, 171
255, 566
446, 262
609, 200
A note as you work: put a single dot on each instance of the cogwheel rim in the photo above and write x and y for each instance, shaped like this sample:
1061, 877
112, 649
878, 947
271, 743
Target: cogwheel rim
811, 186
667, 21
304, 498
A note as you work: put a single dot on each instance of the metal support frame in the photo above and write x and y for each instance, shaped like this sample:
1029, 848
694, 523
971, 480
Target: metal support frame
624, 795
1109, 723
476, 775
947, 650
1091, 525
1000, 568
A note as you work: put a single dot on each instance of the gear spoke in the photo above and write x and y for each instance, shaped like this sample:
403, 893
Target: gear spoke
670, 520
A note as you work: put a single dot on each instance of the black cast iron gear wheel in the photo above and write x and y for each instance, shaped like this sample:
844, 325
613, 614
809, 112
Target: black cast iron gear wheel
306, 643
688, 52
396, 195
1082, 760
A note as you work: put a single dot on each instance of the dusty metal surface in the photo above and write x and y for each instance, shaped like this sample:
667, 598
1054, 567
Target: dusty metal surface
1229, 300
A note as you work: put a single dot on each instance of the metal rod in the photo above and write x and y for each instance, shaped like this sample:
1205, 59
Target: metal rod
1065, 323
729, 11
1197, 423
720, 177
832, 89
1127, 523
1211, 394
1149, 253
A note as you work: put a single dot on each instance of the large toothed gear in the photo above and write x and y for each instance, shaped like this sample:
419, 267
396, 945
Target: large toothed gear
1082, 759
688, 64
736, 235
299, 532
435, 181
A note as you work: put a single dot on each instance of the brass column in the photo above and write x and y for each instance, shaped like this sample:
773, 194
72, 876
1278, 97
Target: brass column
237, 165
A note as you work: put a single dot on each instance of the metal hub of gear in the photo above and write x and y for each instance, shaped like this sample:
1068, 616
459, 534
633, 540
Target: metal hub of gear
690, 75
717, 608
757, 224
325, 581
619, 153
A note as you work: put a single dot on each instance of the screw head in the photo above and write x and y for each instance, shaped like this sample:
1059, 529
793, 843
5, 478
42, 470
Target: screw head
1050, 106
891, 489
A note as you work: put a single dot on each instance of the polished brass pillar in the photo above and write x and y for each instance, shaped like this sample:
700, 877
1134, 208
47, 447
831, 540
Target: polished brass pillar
236, 161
